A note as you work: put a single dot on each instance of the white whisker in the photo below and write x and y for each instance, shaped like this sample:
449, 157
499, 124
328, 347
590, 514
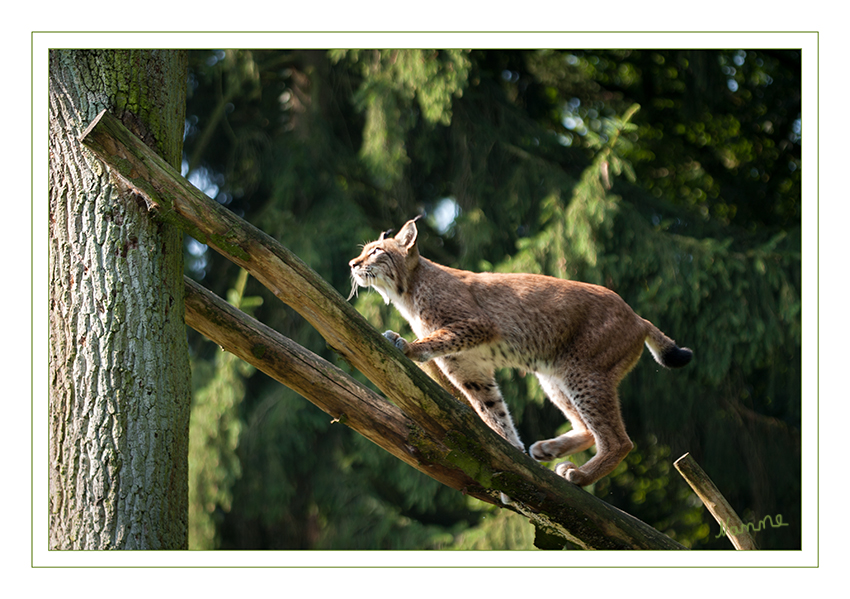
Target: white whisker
354, 288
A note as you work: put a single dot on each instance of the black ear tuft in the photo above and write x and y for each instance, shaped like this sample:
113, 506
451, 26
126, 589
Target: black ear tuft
386, 234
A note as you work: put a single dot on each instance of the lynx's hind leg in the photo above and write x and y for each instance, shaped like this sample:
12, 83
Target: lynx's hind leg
573, 441
611, 447
593, 405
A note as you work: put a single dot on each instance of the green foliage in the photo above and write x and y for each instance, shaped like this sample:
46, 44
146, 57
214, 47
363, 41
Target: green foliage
499, 529
214, 430
688, 207
647, 478
213, 438
720, 131
390, 82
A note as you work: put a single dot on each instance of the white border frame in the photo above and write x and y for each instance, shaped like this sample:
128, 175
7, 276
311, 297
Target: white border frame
807, 557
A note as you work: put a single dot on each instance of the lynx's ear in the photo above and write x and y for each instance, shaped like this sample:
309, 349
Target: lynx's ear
407, 235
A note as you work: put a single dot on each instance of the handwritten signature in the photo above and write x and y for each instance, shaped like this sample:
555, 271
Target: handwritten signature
749, 526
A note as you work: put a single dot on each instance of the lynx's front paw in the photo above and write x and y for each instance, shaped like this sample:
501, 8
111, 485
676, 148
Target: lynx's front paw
539, 452
397, 340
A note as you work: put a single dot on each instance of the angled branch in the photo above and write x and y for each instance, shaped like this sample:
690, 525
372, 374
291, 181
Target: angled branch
452, 436
713, 499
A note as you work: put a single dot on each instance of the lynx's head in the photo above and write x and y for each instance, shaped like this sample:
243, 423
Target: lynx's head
387, 264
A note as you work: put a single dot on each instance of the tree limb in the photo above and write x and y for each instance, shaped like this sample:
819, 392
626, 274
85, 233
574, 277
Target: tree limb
448, 433
713, 499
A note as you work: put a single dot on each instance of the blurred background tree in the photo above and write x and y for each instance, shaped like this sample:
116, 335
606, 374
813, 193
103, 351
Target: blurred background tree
671, 177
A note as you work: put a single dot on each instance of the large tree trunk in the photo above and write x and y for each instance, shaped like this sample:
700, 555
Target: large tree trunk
119, 392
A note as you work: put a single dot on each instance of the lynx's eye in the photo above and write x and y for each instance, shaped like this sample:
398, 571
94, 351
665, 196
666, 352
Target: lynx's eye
375, 251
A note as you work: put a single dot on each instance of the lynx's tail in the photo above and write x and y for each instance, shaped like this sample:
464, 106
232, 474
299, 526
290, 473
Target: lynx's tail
664, 350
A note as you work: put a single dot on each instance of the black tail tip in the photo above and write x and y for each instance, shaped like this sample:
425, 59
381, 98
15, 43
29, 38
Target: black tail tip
676, 357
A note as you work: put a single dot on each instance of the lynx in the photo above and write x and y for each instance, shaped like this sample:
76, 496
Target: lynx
579, 339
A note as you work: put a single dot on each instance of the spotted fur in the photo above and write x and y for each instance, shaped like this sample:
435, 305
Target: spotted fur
579, 339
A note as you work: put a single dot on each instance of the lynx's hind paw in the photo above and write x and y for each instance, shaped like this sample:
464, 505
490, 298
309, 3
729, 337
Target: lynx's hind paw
571, 472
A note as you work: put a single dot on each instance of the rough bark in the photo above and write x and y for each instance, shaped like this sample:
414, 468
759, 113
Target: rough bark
449, 437
119, 390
